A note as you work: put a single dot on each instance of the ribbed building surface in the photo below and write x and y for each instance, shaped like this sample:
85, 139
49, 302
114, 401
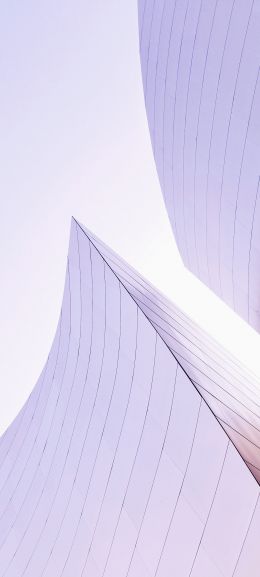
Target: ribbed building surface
200, 64
116, 466
231, 391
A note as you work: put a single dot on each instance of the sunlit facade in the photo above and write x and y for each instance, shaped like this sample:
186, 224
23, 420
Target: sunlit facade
117, 466
200, 67
231, 391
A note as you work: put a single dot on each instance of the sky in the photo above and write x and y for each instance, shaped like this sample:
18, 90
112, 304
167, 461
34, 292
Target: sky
74, 140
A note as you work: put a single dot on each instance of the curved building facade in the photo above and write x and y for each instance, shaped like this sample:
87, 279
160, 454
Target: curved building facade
200, 67
229, 389
116, 466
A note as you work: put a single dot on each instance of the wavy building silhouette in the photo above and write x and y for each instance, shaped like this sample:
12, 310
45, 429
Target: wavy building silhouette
138, 452
117, 465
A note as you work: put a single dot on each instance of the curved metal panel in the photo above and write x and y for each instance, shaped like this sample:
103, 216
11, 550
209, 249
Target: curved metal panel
116, 465
230, 390
200, 66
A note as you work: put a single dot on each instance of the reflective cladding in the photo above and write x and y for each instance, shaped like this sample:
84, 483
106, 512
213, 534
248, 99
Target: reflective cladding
200, 67
116, 466
230, 390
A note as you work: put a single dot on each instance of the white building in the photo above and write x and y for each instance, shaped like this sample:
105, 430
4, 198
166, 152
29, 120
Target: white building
116, 466
200, 65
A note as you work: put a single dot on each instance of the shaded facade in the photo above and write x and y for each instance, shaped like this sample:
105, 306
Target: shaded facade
200, 66
116, 466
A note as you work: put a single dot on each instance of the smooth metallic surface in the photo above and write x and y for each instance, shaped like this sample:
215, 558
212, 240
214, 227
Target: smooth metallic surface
116, 466
200, 66
231, 391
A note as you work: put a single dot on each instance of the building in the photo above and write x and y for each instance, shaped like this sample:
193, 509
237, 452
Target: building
116, 465
230, 390
200, 67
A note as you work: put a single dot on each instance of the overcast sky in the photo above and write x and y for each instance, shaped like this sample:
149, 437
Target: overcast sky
74, 140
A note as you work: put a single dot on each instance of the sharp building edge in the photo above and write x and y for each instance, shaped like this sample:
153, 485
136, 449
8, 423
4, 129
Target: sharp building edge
200, 67
116, 466
230, 390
